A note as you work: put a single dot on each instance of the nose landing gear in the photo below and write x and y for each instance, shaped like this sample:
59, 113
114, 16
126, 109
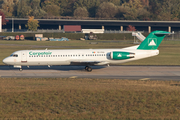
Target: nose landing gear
87, 68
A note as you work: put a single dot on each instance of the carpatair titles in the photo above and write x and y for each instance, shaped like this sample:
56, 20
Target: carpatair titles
40, 53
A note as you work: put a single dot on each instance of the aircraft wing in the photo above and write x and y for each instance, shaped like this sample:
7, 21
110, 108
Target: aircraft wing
88, 62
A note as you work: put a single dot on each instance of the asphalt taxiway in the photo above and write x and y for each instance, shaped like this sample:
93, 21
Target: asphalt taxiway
118, 72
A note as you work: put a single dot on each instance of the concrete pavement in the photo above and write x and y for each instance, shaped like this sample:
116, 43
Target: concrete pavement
118, 72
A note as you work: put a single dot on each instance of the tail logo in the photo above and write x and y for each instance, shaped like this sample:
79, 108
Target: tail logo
152, 42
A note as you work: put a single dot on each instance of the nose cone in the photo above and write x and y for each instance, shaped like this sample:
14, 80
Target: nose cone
6, 61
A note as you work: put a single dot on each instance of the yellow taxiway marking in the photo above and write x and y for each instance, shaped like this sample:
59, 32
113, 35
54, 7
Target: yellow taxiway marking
145, 79
73, 77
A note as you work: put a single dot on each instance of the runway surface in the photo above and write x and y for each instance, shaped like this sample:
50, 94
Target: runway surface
119, 72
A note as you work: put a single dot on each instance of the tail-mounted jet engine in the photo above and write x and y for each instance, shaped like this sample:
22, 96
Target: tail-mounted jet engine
118, 55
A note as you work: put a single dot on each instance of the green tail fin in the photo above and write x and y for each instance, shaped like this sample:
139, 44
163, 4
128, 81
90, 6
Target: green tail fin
153, 40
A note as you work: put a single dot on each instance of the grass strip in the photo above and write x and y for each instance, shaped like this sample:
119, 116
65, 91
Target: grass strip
65, 98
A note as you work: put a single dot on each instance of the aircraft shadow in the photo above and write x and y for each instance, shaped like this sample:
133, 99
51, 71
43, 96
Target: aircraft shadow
60, 68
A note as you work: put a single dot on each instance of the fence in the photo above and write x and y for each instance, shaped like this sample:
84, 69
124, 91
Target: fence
175, 36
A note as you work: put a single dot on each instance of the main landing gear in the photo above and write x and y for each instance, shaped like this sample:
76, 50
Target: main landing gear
87, 68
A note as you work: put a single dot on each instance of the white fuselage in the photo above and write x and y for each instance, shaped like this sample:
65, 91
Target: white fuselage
73, 56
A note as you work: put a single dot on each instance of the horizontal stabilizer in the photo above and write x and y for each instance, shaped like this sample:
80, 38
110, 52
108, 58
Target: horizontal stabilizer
165, 33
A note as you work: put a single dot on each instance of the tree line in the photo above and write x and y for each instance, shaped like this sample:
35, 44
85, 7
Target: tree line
97, 9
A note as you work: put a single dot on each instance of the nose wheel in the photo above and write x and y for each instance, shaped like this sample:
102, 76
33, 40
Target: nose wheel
87, 68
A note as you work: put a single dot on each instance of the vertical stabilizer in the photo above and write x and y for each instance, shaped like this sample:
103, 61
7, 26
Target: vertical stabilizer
153, 40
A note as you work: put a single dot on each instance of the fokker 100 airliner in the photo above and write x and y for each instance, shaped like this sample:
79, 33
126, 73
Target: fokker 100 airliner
87, 57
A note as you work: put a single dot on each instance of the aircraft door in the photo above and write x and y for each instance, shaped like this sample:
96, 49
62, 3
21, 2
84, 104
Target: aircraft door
23, 56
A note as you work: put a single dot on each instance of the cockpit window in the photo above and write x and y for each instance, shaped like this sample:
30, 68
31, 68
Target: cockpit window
14, 55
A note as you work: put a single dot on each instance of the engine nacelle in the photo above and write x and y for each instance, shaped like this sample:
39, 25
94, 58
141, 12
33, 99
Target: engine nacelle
118, 55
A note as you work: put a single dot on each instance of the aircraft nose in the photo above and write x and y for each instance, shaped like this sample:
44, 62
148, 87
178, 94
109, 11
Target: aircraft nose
5, 61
